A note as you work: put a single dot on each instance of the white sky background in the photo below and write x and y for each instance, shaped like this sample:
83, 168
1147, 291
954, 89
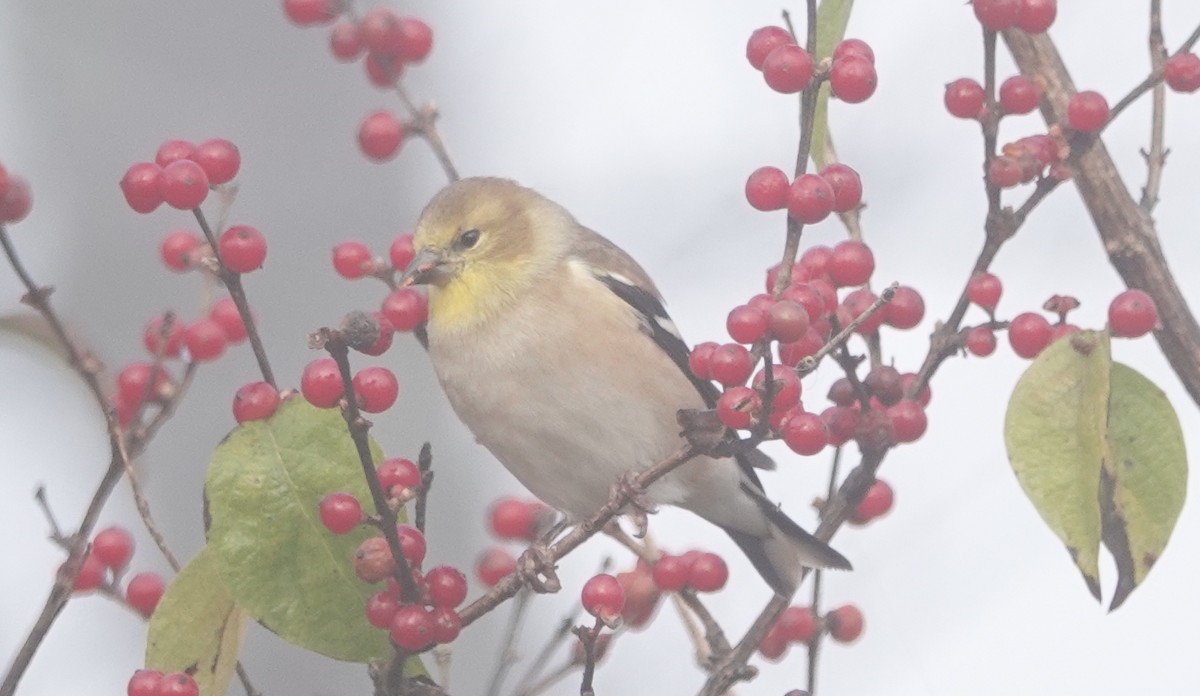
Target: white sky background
644, 119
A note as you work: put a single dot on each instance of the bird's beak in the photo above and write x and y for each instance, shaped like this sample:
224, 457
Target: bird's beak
429, 267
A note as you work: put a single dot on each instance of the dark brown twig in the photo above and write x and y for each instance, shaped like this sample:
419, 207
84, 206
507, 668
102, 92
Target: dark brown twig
425, 466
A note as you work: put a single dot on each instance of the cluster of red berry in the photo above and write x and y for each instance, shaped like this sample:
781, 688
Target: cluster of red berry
800, 625
510, 519
403, 308
16, 199
388, 41
788, 68
105, 564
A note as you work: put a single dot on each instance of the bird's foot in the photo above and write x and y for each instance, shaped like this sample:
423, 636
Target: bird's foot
536, 568
630, 487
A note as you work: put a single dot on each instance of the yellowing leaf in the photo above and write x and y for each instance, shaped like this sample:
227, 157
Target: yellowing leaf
1054, 433
197, 627
1148, 471
280, 563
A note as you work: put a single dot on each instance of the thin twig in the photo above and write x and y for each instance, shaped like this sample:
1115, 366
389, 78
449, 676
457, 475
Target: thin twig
425, 467
1156, 157
814, 644
810, 362
587, 636
508, 650
526, 685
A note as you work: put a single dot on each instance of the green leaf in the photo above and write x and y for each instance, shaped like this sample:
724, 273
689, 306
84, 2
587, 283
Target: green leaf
833, 16
1054, 433
281, 564
1100, 453
197, 627
1147, 476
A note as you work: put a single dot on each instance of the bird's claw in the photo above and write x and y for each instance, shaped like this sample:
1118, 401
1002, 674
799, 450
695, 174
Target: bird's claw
629, 487
536, 568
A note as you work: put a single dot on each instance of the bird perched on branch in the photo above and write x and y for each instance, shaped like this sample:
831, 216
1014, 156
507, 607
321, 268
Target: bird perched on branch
554, 349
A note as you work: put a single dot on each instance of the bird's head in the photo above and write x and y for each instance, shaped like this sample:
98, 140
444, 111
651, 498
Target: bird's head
480, 243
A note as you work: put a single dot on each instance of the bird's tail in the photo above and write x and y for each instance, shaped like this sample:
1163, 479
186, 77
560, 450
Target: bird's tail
780, 557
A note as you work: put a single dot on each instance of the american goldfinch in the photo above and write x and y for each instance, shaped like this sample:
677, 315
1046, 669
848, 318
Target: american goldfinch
554, 349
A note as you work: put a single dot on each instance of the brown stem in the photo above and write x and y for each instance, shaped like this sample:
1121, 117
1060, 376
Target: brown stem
1156, 158
587, 636
425, 466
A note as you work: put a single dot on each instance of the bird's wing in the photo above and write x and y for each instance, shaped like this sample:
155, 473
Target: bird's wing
626, 279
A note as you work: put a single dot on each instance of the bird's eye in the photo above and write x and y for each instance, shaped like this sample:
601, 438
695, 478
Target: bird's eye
468, 239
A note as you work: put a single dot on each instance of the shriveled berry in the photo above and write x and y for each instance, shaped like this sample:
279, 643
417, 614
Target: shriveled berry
767, 189
1028, 333
810, 199
144, 591
852, 79
255, 401
964, 98
321, 383
1087, 111
1019, 95
738, 406
787, 69
764, 40
373, 560
846, 185
1132, 314
242, 248
885, 383
183, 185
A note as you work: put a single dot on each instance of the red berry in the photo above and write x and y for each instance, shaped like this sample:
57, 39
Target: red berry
381, 609
603, 596
183, 185
746, 324
346, 41
738, 406
376, 389
179, 250
380, 135
876, 503
309, 12
242, 248
373, 560
414, 40
401, 252
764, 40
846, 185
398, 472
225, 313
16, 200
173, 151
1087, 111
997, 15
447, 624
804, 433
133, 382
851, 264
797, 624
144, 682
220, 160
980, 341
340, 512
1181, 72
984, 289
412, 544
113, 547
405, 308
908, 420
383, 69
840, 422
791, 354
143, 592
412, 627
178, 684
853, 47
730, 364
205, 340
1132, 314
810, 199
773, 646
384, 332
708, 573
321, 383
787, 321
808, 297
1019, 95
1028, 333
700, 359
152, 337
924, 397
671, 573
787, 69
773, 275
852, 79
380, 27
3, 180
447, 586
964, 98
1059, 330
352, 260
858, 303
786, 387
1004, 172
846, 622
1036, 16
140, 186
906, 309
842, 393
512, 518
767, 189
255, 401
885, 383
493, 565
91, 574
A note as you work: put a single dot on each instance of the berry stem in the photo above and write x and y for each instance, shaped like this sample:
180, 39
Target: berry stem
233, 283
810, 363
424, 465
1141, 88
508, 653
587, 636
1156, 157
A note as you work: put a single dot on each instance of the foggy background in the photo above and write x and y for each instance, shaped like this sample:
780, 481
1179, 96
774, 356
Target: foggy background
644, 119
